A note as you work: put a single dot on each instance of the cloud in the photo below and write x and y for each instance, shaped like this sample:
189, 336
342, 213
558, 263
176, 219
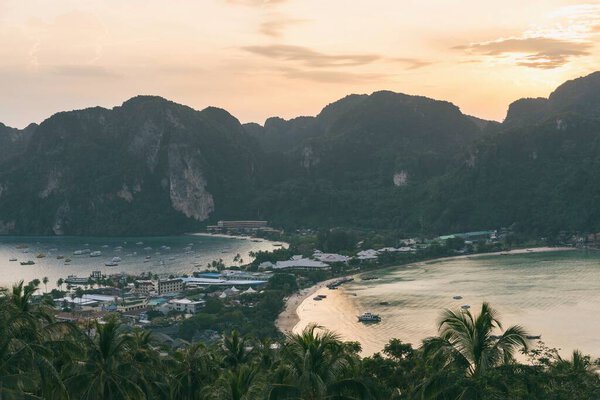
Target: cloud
311, 57
534, 52
328, 76
411, 63
82, 71
275, 25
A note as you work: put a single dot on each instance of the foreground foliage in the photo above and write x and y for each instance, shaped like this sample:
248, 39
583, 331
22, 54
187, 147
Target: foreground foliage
472, 358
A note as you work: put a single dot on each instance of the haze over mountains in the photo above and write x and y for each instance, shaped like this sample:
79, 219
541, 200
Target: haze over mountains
385, 160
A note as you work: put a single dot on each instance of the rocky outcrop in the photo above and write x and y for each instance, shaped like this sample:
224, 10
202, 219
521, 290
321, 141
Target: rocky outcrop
187, 188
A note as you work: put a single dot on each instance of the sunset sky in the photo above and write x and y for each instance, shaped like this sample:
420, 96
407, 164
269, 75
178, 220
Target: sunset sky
259, 58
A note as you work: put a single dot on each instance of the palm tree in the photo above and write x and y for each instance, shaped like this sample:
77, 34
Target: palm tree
237, 350
239, 384
317, 366
107, 371
193, 369
45, 280
29, 343
468, 343
60, 282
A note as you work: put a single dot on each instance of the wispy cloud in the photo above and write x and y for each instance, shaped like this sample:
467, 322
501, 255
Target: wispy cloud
311, 57
566, 33
317, 59
275, 25
535, 52
411, 63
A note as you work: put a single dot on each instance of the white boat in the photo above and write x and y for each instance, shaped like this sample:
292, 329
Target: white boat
111, 264
81, 252
369, 317
116, 259
140, 243
95, 254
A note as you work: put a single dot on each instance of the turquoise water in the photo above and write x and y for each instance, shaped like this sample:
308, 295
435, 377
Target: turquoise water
556, 295
167, 255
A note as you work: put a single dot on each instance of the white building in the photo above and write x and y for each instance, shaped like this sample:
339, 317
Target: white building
297, 262
186, 305
330, 257
369, 254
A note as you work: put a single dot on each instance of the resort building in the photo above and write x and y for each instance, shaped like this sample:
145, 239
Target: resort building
238, 226
297, 262
145, 287
169, 286
330, 257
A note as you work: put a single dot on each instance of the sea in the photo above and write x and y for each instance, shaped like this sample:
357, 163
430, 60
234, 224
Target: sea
555, 295
159, 255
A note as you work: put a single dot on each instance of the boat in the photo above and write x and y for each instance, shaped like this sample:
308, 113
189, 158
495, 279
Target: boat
95, 254
369, 278
369, 317
323, 296
533, 337
140, 243
457, 297
41, 255
116, 259
12, 259
111, 264
68, 260
81, 252
148, 257
27, 262
384, 303
465, 306
60, 257
317, 298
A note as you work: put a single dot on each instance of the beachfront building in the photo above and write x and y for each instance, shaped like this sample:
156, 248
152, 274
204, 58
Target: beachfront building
330, 257
297, 262
200, 281
369, 254
238, 226
169, 286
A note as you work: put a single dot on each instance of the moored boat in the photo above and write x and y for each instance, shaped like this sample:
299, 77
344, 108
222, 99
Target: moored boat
27, 262
369, 317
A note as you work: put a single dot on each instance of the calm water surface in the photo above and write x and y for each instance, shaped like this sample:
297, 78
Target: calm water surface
168, 255
555, 294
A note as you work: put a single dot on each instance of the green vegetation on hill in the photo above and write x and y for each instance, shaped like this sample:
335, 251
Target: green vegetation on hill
385, 161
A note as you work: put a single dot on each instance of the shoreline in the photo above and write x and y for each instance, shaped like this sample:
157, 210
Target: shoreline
289, 317
239, 237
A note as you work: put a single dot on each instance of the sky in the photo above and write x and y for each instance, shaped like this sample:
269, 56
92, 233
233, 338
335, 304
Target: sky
263, 58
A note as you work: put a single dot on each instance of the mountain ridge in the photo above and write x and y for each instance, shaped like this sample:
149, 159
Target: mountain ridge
380, 160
